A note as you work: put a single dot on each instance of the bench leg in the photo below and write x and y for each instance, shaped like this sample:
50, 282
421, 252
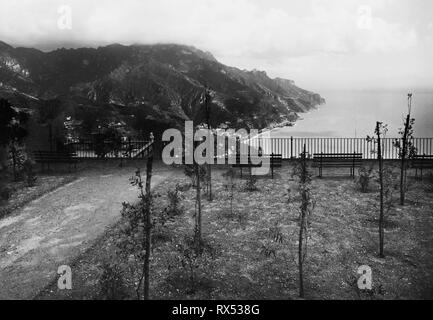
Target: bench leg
241, 172
272, 171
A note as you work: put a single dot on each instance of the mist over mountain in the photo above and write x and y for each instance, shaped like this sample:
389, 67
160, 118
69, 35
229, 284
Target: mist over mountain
164, 83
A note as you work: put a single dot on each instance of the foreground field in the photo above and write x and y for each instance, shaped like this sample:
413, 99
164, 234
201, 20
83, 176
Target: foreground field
245, 261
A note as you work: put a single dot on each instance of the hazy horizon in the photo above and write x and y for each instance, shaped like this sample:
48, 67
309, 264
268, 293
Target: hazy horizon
321, 45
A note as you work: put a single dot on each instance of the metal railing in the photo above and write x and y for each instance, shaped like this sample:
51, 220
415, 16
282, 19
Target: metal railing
110, 150
292, 147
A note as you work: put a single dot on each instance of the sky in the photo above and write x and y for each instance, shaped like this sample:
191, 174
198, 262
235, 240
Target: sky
320, 44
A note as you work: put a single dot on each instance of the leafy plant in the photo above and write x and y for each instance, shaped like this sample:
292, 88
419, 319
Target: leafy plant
406, 149
111, 283
365, 174
190, 172
306, 206
390, 186
274, 238
29, 173
380, 132
136, 229
251, 184
174, 207
5, 192
17, 158
230, 186
192, 264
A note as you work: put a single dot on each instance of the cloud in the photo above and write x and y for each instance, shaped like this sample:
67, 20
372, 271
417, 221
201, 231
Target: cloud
250, 34
237, 27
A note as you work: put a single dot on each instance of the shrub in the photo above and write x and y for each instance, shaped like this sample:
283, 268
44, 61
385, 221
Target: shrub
191, 267
251, 183
17, 157
111, 283
365, 174
189, 171
5, 192
174, 207
29, 173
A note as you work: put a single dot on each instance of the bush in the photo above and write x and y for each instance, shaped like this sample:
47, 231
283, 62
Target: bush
5, 192
174, 207
111, 283
189, 171
29, 173
251, 183
365, 174
191, 268
17, 157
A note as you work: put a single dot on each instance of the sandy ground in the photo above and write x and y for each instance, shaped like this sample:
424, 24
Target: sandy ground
53, 229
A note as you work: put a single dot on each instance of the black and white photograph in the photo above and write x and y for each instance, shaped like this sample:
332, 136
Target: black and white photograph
218, 154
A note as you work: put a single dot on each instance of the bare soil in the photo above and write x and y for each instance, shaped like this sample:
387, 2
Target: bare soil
248, 264
55, 228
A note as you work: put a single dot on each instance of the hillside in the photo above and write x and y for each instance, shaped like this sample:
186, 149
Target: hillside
161, 83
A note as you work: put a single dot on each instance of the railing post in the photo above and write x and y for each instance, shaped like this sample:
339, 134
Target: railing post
291, 147
129, 147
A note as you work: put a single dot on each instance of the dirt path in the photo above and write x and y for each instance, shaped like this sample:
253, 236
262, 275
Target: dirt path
55, 228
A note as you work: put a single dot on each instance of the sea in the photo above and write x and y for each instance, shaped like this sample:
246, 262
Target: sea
353, 114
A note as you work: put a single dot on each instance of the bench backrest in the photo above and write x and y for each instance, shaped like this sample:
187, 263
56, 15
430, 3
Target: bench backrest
53, 155
274, 159
422, 161
338, 158
423, 157
338, 155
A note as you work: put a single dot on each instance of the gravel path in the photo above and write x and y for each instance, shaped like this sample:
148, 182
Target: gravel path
52, 230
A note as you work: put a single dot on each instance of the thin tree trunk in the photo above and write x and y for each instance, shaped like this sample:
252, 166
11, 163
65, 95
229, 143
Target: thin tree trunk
50, 135
379, 156
210, 181
403, 160
302, 226
148, 227
198, 213
209, 165
300, 258
14, 161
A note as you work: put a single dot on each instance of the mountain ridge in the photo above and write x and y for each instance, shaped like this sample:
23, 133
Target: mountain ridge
162, 79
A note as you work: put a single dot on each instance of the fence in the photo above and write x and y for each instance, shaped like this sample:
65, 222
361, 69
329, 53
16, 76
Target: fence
110, 150
288, 147
292, 147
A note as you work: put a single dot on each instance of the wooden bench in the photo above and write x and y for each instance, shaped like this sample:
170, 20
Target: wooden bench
275, 161
422, 162
48, 157
337, 160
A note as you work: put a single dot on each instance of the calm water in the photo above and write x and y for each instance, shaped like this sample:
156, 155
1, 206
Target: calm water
354, 114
